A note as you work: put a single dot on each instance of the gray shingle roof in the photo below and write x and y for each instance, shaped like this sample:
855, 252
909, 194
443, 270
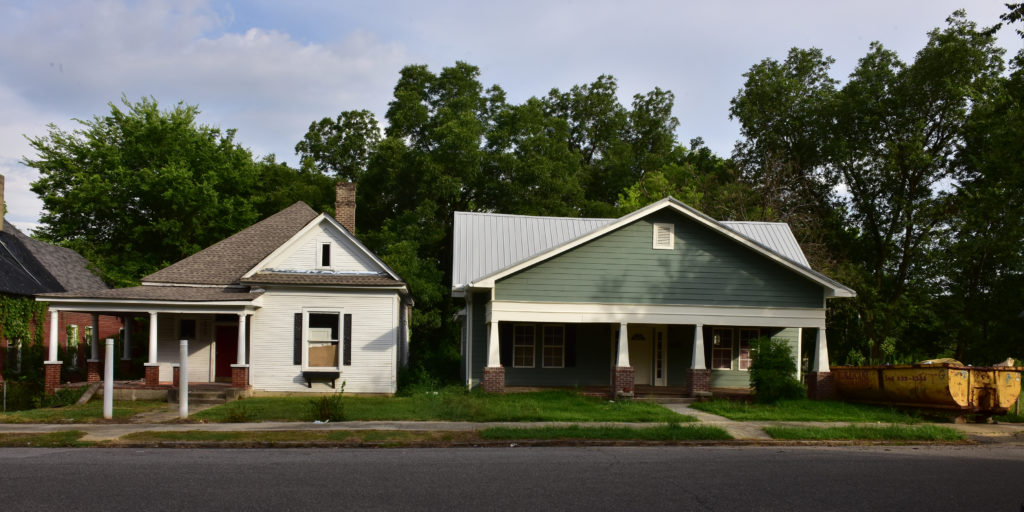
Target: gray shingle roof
29, 266
485, 243
357, 280
225, 262
162, 293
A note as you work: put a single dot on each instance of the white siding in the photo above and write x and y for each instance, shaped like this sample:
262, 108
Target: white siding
374, 340
303, 253
200, 351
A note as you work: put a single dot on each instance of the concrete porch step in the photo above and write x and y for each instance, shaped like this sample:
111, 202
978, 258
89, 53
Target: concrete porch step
199, 397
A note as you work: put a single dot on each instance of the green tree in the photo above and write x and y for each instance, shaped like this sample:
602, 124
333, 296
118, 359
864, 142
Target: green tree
898, 128
141, 187
341, 147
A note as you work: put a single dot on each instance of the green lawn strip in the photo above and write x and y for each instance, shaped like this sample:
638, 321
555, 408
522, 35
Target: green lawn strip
47, 440
296, 436
90, 412
670, 432
805, 410
867, 433
453, 406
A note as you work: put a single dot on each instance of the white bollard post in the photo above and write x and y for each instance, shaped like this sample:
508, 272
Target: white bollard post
108, 379
183, 381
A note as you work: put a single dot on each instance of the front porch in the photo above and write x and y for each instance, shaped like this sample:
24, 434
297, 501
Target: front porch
216, 326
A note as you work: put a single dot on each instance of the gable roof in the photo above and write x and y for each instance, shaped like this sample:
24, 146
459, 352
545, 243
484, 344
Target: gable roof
29, 266
225, 262
485, 242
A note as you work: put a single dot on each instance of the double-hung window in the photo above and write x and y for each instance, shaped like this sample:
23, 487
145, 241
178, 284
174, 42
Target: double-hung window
554, 346
323, 337
721, 349
523, 343
747, 337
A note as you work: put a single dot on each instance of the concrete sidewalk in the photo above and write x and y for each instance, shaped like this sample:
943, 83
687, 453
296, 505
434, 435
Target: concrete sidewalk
162, 421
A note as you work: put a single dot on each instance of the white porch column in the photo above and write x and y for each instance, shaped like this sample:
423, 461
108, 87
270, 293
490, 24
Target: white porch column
152, 338
493, 352
820, 363
697, 356
126, 353
241, 338
183, 380
622, 356
108, 379
53, 337
94, 340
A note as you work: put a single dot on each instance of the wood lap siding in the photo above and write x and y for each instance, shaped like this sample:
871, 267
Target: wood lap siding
704, 268
374, 340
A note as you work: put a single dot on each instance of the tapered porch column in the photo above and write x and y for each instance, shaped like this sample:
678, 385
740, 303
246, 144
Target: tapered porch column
494, 374
624, 376
698, 377
51, 367
93, 364
152, 367
240, 370
819, 379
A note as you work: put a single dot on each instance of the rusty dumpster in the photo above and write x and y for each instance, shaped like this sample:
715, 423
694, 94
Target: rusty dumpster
968, 389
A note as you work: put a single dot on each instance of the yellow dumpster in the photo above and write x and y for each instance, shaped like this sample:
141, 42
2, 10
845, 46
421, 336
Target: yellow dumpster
983, 390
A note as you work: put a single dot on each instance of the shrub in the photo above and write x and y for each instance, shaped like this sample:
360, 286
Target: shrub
773, 372
239, 413
61, 397
328, 407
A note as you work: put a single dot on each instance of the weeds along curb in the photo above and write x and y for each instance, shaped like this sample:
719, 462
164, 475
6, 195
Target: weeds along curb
513, 444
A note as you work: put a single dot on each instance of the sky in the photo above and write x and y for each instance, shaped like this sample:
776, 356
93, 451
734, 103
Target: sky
269, 68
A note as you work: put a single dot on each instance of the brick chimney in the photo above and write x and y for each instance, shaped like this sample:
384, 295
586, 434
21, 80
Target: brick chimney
345, 205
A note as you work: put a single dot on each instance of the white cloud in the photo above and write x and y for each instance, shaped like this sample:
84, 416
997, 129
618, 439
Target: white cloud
62, 60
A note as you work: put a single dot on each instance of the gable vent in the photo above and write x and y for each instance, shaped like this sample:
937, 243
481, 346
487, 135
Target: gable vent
664, 236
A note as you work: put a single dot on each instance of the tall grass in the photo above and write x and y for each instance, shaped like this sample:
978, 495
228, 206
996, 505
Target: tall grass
805, 410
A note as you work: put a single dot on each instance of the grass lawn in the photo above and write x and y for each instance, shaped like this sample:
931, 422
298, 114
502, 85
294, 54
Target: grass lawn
48, 440
805, 410
670, 432
387, 437
868, 433
452, 405
1010, 418
90, 412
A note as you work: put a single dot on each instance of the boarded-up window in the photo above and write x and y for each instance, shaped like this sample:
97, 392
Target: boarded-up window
322, 341
664, 236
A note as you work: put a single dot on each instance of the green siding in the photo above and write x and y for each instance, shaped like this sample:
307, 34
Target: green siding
704, 268
593, 361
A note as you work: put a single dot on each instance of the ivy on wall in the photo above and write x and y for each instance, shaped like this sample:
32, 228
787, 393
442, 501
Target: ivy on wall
18, 315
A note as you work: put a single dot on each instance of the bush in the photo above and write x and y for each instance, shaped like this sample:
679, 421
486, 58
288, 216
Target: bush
773, 372
61, 397
329, 407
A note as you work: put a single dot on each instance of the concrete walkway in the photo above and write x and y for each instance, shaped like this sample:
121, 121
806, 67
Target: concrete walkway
736, 429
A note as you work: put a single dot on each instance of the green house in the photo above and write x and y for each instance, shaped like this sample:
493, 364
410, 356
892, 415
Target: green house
664, 297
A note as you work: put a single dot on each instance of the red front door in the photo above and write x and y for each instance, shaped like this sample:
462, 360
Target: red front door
227, 350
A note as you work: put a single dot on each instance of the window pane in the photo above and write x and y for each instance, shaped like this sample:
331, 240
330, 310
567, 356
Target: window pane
747, 337
523, 343
554, 346
721, 349
323, 327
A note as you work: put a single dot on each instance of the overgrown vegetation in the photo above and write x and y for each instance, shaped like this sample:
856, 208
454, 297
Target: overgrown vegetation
455, 404
68, 438
773, 372
868, 433
328, 407
805, 410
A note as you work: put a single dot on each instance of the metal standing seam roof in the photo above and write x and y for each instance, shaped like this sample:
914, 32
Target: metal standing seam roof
485, 243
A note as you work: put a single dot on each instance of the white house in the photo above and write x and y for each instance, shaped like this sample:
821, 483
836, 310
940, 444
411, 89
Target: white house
292, 303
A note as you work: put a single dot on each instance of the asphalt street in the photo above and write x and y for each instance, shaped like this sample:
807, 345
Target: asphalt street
516, 478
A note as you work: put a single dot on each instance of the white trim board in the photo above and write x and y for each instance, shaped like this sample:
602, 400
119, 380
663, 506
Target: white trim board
547, 312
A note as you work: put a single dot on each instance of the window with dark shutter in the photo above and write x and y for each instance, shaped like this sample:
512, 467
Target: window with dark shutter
504, 344
347, 348
297, 348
